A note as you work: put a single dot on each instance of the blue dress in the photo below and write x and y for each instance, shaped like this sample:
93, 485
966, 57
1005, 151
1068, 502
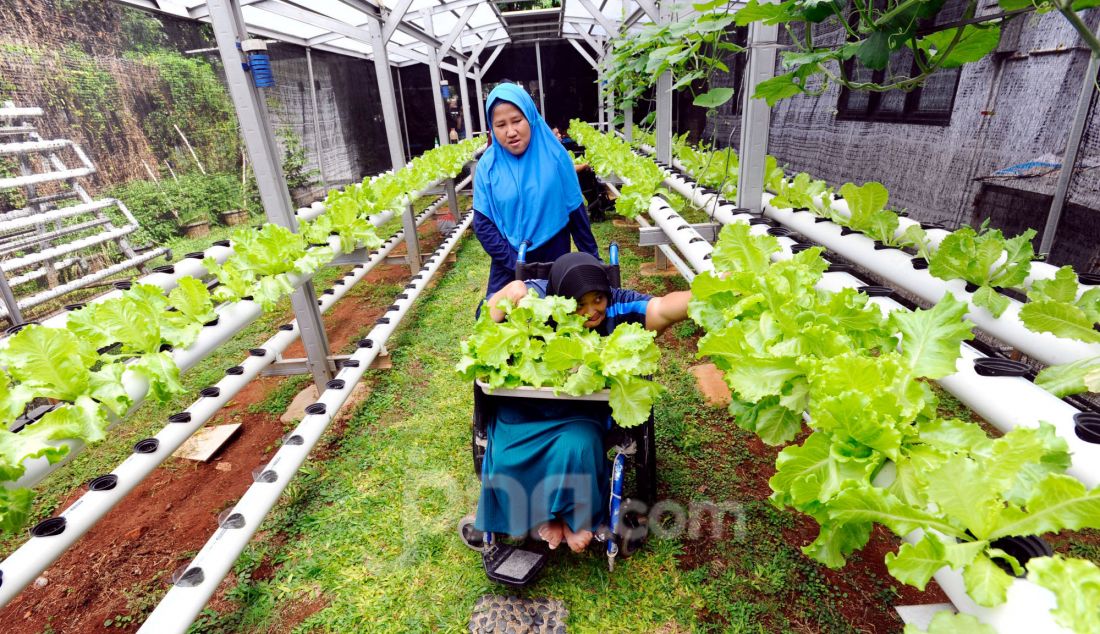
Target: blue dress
546, 458
502, 268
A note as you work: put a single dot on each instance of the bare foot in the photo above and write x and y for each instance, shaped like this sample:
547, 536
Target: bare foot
577, 541
552, 533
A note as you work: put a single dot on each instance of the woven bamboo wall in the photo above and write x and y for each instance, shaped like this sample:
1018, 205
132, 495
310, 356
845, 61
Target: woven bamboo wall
931, 170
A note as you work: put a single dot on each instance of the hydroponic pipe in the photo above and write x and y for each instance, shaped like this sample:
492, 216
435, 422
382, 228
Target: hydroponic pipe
58, 291
1019, 615
935, 235
670, 254
8, 224
51, 253
33, 557
897, 267
167, 277
695, 249
197, 584
1027, 607
1006, 402
39, 273
232, 318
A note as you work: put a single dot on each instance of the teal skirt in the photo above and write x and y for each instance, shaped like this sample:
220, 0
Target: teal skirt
546, 460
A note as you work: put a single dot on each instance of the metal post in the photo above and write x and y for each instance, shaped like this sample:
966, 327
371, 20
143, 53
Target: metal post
385, 93
628, 123
1069, 158
755, 116
316, 119
480, 99
663, 94
229, 29
464, 94
610, 111
599, 101
14, 314
542, 91
434, 58
404, 117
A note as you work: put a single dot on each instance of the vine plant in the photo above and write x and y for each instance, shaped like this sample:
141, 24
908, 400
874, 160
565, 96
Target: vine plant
875, 33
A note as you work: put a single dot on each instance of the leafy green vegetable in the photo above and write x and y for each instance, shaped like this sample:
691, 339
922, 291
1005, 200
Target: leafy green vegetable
1055, 308
82, 364
985, 259
1071, 378
1076, 585
543, 343
952, 623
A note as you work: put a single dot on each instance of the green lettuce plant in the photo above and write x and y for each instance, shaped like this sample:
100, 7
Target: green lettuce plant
80, 366
544, 343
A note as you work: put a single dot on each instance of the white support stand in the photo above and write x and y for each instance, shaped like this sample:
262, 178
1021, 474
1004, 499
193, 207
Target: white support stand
755, 116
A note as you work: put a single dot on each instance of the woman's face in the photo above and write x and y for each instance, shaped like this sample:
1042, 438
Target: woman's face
510, 128
594, 307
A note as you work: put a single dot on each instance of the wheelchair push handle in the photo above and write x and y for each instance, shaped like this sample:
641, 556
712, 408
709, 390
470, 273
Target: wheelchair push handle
613, 275
521, 260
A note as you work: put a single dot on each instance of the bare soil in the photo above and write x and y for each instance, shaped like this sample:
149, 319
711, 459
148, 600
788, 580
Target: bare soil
122, 566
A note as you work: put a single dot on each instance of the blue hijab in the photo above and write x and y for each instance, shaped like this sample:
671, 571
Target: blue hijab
530, 196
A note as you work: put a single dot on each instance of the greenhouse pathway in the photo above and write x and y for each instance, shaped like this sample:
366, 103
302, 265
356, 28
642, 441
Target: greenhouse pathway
494, 614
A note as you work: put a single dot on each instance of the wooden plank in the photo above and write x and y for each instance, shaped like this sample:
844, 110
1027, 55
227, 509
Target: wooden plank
206, 442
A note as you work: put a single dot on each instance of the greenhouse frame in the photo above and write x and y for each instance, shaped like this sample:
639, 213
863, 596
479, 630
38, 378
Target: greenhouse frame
894, 407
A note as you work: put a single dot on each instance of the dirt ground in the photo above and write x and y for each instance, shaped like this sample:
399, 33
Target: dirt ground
123, 564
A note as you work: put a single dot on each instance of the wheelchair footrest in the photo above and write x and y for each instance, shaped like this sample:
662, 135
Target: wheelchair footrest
511, 566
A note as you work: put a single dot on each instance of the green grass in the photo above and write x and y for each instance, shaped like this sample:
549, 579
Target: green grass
371, 540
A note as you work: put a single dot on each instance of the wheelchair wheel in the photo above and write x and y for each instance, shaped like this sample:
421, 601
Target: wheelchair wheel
633, 530
471, 537
477, 448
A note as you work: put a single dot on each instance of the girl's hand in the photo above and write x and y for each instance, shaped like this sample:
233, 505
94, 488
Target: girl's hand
513, 292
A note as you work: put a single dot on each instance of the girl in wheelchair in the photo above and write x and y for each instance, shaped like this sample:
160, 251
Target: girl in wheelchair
546, 470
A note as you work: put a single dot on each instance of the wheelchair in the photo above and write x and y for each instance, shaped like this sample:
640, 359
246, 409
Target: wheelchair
633, 474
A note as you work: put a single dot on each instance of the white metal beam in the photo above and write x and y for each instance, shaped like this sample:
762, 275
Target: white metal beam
603, 20
394, 19
650, 9
315, 19
580, 49
203, 9
455, 5
475, 52
445, 48
593, 42
492, 58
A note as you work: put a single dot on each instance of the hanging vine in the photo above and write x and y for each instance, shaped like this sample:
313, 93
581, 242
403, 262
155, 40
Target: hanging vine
878, 35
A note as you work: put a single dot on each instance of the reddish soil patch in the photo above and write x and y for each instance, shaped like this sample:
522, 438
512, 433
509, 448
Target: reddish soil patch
121, 566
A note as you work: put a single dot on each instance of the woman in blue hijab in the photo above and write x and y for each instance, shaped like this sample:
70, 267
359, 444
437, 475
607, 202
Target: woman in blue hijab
525, 190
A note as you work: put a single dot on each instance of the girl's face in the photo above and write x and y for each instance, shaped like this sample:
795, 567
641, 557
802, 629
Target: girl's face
510, 128
594, 307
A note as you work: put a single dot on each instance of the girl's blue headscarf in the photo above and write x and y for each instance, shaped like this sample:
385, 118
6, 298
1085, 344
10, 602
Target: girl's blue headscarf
528, 197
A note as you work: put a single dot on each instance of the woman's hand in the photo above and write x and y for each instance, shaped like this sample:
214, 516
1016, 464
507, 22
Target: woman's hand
513, 292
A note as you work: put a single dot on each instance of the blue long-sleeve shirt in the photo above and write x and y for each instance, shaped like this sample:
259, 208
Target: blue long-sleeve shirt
503, 268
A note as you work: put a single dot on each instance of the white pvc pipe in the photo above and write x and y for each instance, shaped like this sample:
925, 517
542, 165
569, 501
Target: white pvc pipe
53, 252
33, 557
696, 250
183, 602
39, 273
58, 291
28, 147
7, 226
895, 266
1006, 402
232, 318
36, 179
